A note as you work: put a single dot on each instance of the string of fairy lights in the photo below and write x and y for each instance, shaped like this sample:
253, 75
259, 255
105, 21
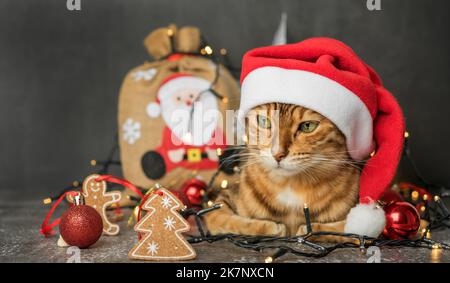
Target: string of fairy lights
432, 208
205, 51
433, 211
303, 245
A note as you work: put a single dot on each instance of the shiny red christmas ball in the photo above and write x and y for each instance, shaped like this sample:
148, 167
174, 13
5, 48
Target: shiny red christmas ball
402, 221
81, 226
194, 190
182, 197
391, 196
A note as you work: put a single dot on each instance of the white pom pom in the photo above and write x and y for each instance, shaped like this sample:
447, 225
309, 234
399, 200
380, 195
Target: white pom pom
365, 219
153, 110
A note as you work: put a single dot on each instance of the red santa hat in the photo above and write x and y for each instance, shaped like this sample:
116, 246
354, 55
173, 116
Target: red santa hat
325, 75
173, 84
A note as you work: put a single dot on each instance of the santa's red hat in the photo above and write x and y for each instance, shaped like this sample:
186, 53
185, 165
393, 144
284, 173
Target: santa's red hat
171, 85
325, 75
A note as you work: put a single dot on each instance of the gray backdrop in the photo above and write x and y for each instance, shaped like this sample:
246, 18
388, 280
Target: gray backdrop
60, 71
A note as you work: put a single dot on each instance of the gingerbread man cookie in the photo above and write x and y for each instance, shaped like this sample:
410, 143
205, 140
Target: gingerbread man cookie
95, 195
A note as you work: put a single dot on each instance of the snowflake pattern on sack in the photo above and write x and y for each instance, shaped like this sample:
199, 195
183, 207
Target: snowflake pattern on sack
131, 131
146, 75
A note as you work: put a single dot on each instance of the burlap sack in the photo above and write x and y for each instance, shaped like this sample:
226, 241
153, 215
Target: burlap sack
141, 132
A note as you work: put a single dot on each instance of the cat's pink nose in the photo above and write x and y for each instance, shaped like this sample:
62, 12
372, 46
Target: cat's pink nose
279, 156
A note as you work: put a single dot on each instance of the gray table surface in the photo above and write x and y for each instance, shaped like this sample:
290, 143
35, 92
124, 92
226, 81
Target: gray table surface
20, 241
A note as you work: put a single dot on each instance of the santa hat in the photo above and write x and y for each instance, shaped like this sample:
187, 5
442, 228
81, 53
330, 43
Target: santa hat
172, 84
325, 75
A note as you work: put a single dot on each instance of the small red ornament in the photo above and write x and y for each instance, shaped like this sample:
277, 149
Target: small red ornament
81, 226
391, 196
402, 221
182, 197
194, 190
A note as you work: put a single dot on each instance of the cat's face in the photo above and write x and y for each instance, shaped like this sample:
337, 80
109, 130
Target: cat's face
291, 140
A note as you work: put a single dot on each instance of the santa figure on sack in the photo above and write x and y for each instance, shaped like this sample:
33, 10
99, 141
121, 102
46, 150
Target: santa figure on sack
192, 134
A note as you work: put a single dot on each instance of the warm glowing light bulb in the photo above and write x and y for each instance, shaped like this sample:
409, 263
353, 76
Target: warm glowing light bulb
268, 259
406, 135
224, 184
436, 246
415, 195
424, 231
208, 50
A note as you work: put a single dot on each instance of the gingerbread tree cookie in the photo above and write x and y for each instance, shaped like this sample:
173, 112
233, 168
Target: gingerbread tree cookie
95, 195
161, 228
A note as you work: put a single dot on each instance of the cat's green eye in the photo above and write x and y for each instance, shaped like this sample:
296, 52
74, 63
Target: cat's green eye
308, 126
263, 122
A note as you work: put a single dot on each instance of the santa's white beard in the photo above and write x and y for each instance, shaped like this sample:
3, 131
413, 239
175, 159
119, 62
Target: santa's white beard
194, 128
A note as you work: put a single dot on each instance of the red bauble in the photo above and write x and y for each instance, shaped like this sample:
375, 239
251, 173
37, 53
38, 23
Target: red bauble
182, 197
391, 196
194, 190
402, 221
81, 226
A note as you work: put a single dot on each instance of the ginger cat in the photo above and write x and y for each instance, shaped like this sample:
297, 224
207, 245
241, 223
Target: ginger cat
303, 159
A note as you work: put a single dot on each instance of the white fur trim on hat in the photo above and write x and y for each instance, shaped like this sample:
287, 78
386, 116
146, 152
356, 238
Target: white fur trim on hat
153, 109
321, 94
366, 219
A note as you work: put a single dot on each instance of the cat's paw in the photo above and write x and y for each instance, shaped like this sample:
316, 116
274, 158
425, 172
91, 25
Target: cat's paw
267, 228
280, 230
302, 230
270, 228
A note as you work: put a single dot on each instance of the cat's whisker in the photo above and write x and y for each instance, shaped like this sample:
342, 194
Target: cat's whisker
336, 159
234, 147
354, 163
337, 162
250, 163
311, 161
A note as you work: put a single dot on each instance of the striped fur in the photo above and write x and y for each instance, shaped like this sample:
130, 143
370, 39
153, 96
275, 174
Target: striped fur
270, 196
